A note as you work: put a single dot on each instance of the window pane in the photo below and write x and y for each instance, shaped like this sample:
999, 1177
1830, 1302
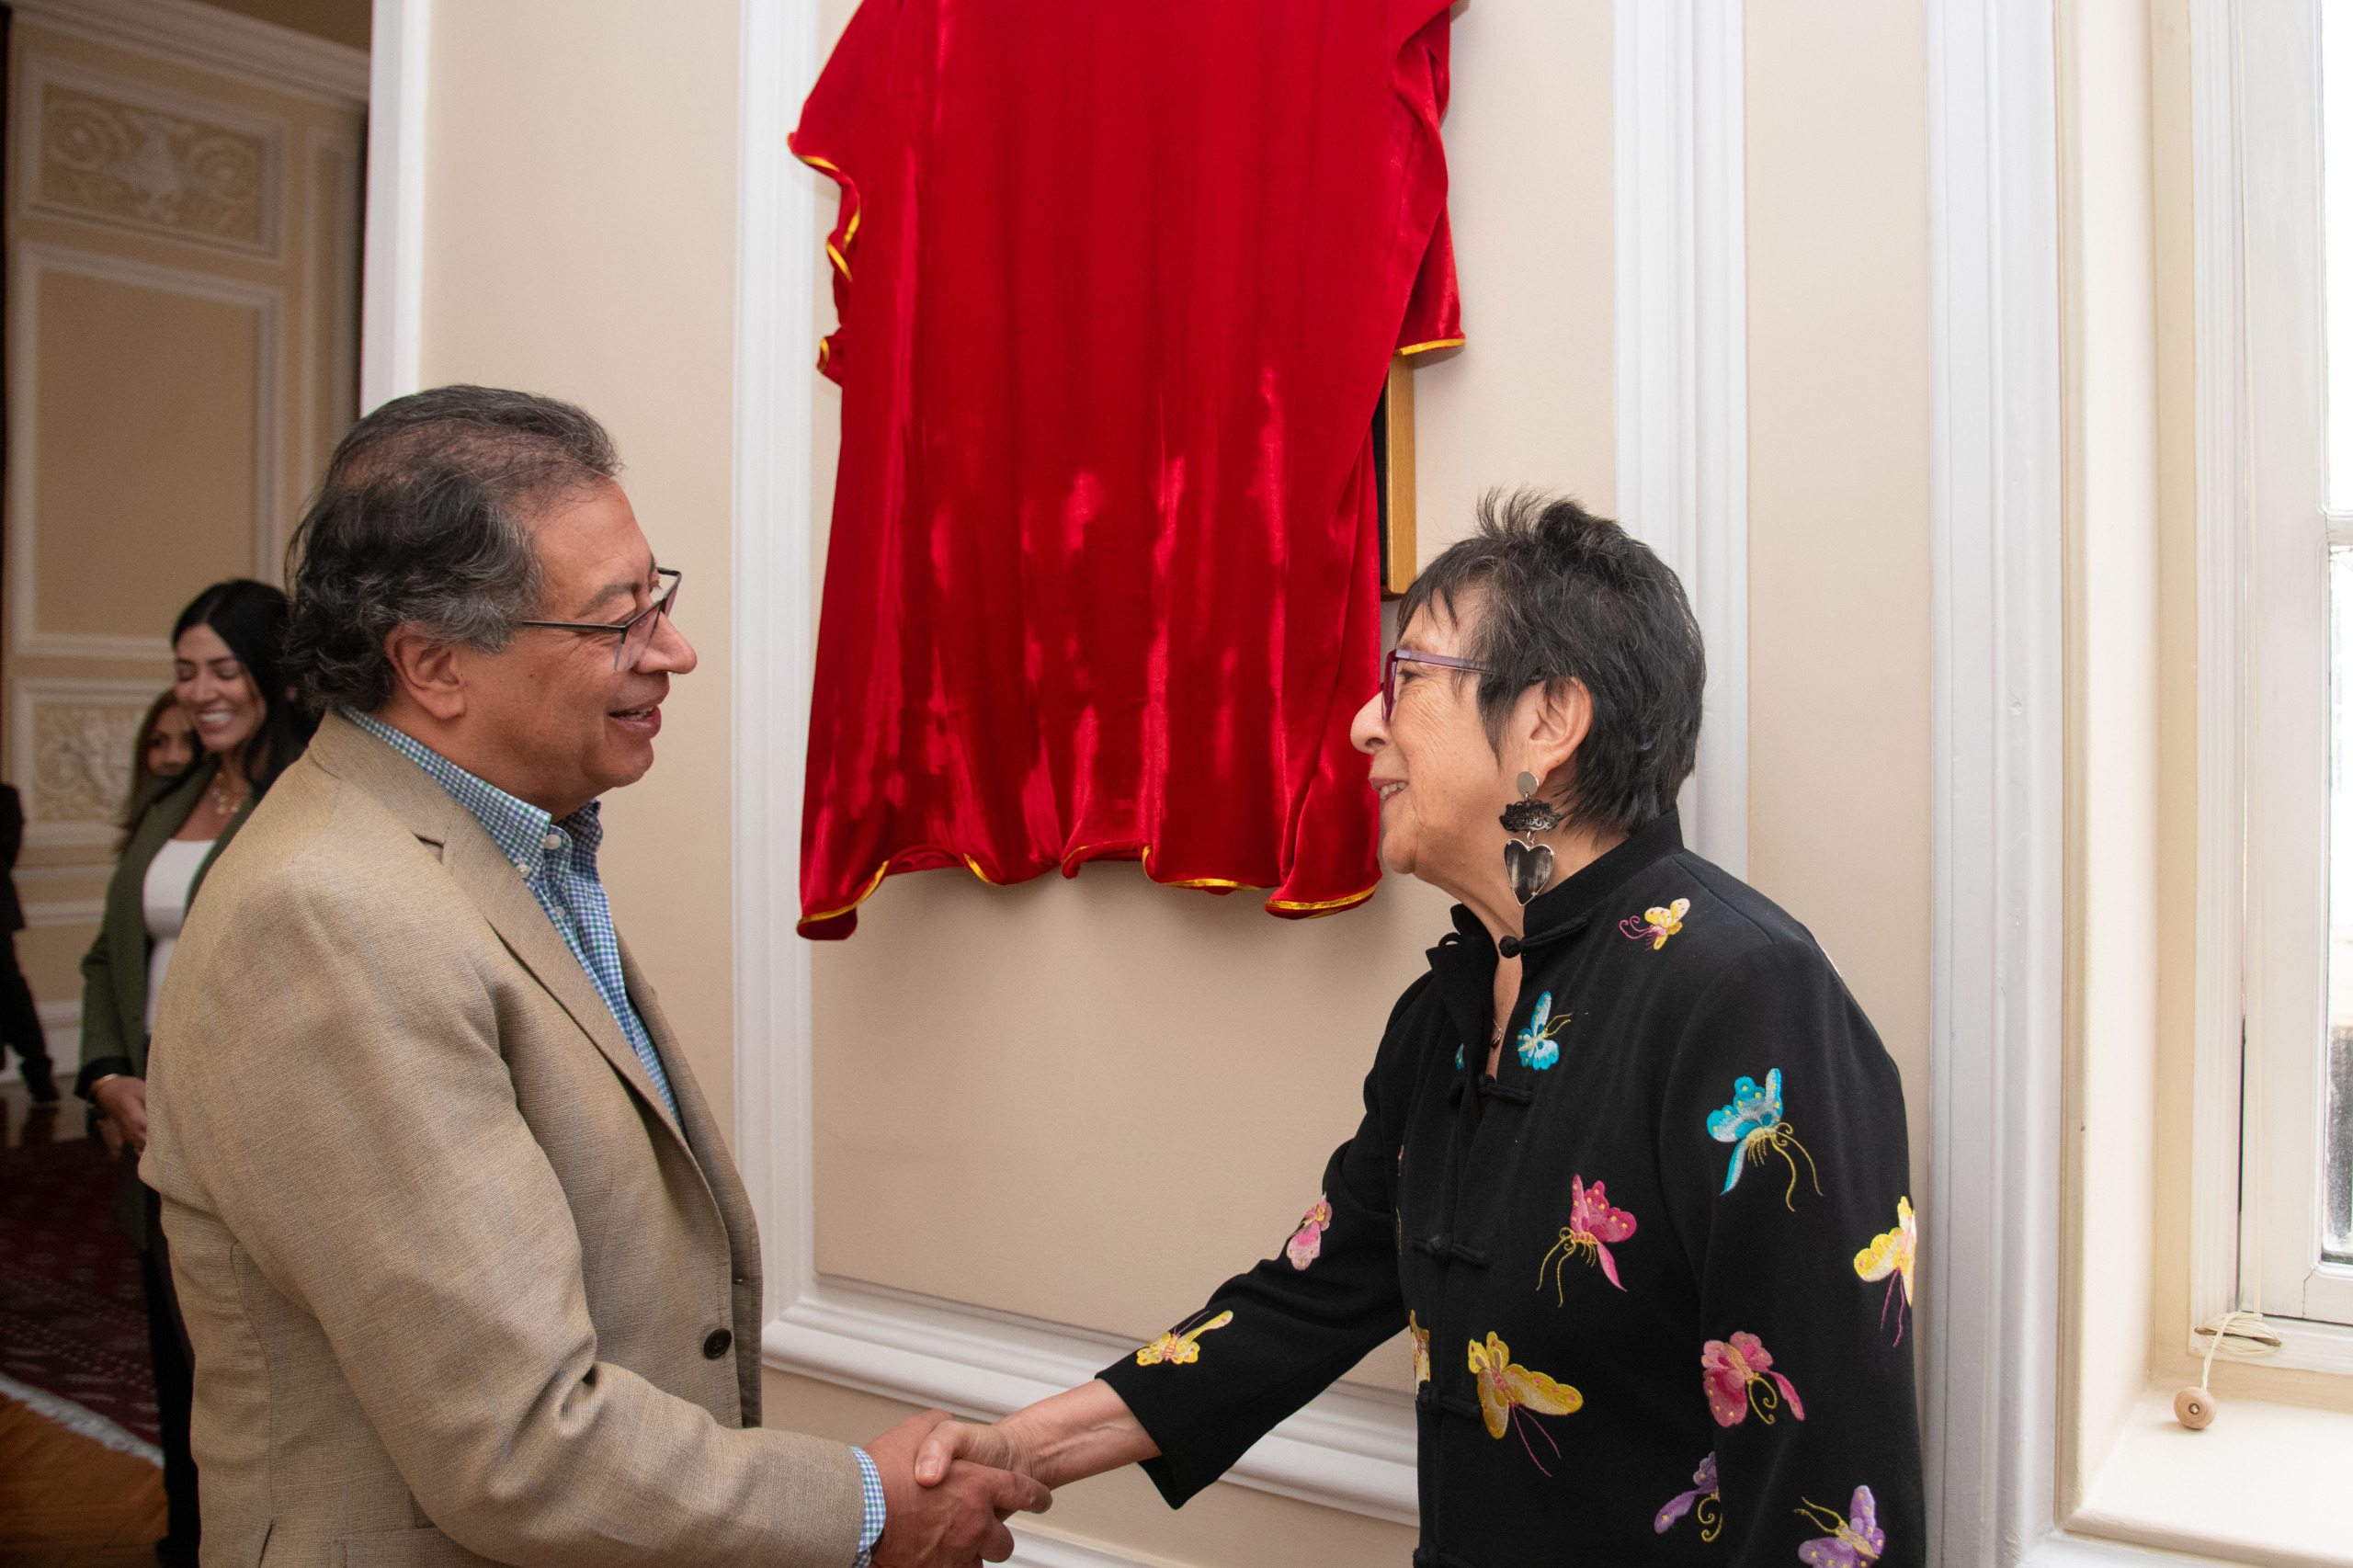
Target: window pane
2336, 164
2337, 1206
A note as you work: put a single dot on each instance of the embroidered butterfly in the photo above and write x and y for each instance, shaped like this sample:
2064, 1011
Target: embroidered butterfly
1593, 1225
1753, 1121
1853, 1542
1421, 1348
1179, 1349
1736, 1376
1536, 1047
1654, 926
1308, 1239
1704, 1496
1507, 1392
1891, 1253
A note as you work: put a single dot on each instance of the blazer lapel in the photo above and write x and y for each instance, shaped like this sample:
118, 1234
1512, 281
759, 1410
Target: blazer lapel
495, 885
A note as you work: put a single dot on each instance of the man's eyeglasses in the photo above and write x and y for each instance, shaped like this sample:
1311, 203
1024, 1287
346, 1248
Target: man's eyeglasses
1409, 656
637, 631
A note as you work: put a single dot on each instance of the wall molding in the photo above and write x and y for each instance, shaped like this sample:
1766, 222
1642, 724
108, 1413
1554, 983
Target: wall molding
27, 697
1997, 934
205, 38
336, 166
39, 70
35, 261
392, 309
1682, 357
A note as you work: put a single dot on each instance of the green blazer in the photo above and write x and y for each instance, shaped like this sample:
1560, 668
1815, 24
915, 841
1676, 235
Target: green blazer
114, 971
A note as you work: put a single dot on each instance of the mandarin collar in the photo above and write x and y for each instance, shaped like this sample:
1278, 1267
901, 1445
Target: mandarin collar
1564, 909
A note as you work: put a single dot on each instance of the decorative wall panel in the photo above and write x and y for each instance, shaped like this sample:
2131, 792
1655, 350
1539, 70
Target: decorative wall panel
106, 149
155, 407
71, 755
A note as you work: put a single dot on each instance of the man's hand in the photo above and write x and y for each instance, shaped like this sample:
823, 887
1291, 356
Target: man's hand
954, 1523
123, 1102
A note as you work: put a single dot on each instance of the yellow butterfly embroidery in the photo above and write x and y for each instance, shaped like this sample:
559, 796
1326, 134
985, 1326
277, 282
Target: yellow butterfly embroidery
1892, 1252
1179, 1349
1505, 1390
1654, 926
1421, 1348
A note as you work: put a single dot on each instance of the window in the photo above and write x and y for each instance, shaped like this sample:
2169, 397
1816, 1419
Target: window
2296, 1224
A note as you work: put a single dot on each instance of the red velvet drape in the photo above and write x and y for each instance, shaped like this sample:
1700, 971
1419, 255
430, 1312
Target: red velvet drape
1119, 284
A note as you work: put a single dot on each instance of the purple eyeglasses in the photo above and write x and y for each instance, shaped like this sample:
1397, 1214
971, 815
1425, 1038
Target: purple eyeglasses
1410, 656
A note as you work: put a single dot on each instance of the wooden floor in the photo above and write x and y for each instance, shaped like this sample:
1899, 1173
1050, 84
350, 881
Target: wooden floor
66, 1502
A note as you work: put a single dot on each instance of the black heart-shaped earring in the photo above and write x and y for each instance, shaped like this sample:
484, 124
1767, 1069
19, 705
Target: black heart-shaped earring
1527, 863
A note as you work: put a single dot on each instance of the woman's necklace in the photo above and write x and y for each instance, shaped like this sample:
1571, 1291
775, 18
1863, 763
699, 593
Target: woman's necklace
220, 801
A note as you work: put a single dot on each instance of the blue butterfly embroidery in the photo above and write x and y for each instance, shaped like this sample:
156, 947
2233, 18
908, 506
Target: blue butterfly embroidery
1536, 1047
1753, 1124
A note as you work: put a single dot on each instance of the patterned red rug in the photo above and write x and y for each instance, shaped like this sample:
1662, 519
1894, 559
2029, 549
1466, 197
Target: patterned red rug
72, 1314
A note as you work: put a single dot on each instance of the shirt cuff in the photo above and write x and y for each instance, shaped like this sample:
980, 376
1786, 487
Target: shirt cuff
870, 1530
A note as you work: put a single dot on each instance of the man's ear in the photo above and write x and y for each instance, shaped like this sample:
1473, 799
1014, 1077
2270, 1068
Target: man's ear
426, 671
1559, 717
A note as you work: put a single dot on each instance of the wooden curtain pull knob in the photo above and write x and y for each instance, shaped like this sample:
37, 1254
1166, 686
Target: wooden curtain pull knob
2194, 1408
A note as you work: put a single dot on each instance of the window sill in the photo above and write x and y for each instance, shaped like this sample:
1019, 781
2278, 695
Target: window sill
2263, 1484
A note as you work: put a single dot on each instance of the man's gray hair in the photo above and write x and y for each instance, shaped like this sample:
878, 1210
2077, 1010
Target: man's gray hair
422, 519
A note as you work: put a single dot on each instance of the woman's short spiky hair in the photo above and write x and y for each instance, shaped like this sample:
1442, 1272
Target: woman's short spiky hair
1545, 591
422, 518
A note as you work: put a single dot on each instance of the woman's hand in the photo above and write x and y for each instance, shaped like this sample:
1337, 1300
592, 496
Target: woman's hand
123, 1102
1066, 1438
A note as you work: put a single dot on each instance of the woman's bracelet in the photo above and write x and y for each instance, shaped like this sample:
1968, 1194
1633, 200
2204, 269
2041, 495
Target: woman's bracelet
98, 1083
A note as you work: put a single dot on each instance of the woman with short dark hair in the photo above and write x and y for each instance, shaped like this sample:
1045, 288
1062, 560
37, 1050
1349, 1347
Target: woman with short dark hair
1632, 1171
226, 649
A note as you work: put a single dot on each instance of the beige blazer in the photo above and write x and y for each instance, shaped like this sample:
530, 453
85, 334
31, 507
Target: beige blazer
458, 1285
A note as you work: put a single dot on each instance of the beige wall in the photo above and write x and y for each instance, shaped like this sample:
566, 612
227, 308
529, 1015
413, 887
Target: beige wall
580, 241
179, 364
1839, 504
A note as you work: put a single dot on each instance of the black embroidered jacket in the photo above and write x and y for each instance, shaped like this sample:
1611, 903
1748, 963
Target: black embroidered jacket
1657, 1269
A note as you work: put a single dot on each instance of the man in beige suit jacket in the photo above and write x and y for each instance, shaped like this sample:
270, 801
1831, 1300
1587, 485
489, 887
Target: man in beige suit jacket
466, 1268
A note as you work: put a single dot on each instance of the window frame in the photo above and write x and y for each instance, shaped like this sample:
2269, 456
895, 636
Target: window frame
2264, 709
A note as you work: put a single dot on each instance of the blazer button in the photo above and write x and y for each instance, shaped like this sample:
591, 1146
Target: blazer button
716, 1345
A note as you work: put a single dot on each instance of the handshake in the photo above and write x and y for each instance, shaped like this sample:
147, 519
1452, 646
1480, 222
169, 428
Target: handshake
949, 1486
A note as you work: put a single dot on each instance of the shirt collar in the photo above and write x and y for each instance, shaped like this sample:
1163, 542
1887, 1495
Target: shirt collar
1563, 909
521, 830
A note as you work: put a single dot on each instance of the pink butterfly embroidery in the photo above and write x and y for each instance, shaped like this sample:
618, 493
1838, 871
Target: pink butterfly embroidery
1593, 1225
1736, 1376
1704, 1496
1855, 1541
1307, 1241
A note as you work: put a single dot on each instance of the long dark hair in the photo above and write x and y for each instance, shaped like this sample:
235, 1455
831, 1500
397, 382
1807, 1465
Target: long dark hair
143, 778
250, 618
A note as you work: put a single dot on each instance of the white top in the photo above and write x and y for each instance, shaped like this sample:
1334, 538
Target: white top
165, 898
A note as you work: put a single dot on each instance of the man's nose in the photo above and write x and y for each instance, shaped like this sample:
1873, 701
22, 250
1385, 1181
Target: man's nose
668, 652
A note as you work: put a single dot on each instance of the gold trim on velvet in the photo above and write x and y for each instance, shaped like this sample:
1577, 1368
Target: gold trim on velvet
1433, 343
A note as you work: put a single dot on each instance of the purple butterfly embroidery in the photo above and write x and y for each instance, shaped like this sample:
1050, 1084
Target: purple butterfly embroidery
1853, 1542
1703, 1496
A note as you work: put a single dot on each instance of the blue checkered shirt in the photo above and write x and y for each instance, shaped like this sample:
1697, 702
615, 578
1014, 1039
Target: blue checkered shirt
870, 1530
558, 860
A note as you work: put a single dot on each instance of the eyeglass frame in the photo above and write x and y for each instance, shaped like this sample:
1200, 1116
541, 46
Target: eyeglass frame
1415, 656
660, 607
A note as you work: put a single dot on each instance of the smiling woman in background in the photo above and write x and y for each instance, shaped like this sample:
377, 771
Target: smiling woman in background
225, 647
